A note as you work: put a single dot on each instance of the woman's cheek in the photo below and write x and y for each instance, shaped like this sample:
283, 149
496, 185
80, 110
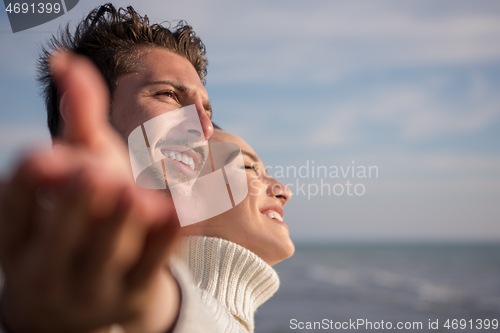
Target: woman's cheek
255, 187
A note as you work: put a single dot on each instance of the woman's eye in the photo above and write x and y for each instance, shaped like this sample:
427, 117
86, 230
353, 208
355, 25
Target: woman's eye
251, 167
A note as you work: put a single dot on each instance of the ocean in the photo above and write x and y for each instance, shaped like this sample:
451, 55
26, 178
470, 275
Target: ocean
375, 288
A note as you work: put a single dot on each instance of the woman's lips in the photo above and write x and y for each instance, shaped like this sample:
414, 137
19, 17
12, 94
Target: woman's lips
272, 214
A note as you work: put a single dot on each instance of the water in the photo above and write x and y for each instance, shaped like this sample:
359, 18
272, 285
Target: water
405, 283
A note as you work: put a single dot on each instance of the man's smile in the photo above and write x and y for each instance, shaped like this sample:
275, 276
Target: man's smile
187, 160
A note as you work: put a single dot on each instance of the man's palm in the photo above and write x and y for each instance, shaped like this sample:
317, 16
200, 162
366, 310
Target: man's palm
81, 246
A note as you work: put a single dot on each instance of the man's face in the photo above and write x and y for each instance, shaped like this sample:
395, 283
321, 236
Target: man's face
162, 82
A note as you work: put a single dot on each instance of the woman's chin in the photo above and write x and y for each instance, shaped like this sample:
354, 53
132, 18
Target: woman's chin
290, 250
285, 251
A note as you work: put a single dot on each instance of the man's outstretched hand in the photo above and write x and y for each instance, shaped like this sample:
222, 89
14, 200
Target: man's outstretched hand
81, 246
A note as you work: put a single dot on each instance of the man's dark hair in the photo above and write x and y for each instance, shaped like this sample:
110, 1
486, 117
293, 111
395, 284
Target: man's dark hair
112, 39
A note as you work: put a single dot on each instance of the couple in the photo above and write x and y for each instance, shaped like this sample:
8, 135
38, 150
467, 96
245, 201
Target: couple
82, 247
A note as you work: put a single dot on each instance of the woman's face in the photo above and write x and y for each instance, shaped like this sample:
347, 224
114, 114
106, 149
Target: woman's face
257, 222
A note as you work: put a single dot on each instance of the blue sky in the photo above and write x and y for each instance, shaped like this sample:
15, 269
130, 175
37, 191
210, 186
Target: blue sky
410, 87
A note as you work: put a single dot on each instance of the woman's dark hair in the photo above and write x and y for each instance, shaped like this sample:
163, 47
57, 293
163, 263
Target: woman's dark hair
112, 38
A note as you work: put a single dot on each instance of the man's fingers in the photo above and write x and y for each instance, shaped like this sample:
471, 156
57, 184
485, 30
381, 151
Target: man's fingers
135, 239
18, 201
116, 242
65, 225
26, 192
85, 97
158, 243
162, 232
102, 240
16, 208
84, 107
2, 186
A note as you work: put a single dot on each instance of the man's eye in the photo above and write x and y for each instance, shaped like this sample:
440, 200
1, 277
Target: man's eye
168, 93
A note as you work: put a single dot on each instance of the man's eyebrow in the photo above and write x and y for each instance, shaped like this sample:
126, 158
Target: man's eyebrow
176, 85
182, 88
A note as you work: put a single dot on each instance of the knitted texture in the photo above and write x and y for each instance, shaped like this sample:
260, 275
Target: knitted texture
232, 280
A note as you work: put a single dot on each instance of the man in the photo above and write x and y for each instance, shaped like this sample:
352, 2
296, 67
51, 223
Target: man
81, 246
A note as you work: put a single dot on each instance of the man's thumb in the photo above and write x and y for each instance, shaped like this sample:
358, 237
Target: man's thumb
84, 98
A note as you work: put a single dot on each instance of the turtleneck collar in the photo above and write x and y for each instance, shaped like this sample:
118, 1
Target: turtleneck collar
235, 276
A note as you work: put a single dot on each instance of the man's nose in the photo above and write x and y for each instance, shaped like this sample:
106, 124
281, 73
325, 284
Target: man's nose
206, 123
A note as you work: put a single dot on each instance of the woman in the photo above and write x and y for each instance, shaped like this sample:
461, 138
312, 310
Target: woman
229, 256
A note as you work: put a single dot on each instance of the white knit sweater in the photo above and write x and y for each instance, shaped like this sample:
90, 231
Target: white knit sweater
230, 283
231, 280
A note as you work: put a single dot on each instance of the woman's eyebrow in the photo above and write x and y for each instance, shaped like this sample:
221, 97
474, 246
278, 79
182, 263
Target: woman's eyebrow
236, 152
251, 155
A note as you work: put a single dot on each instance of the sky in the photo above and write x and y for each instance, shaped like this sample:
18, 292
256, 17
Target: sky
410, 89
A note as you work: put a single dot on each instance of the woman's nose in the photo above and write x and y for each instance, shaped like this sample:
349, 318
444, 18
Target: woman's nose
276, 189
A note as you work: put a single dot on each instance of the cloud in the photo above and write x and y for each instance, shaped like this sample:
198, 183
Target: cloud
416, 110
322, 41
338, 129
325, 41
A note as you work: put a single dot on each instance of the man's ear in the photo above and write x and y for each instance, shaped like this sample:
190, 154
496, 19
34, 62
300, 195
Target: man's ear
64, 112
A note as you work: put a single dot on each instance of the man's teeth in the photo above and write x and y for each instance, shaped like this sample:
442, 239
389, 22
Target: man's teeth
274, 215
180, 158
